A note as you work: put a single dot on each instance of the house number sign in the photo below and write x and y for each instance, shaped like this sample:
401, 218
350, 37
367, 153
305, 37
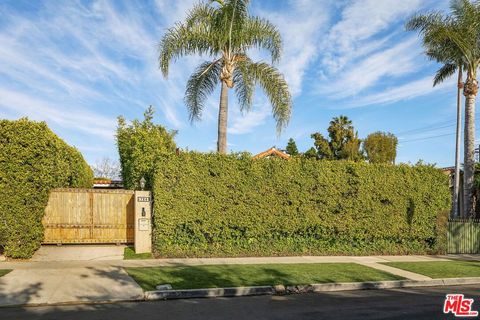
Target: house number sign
143, 199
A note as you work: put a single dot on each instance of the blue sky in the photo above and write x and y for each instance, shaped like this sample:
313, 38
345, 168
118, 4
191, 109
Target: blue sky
79, 64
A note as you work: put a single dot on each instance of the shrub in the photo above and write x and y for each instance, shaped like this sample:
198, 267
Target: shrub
140, 144
33, 160
217, 205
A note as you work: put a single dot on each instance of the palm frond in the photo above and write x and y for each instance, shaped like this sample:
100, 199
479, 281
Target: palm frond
228, 21
262, 34
276, 89
445, 72
181, 40
200, 85
244, 85
239, 6
424, 22
451, 40
201, 13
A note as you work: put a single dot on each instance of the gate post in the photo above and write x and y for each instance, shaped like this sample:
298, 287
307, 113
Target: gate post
143, 222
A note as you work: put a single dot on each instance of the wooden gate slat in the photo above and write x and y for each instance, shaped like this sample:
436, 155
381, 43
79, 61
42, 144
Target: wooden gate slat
89, 216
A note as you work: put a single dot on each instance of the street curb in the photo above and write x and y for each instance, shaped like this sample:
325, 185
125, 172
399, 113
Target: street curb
210, 293
298, 289
268, 290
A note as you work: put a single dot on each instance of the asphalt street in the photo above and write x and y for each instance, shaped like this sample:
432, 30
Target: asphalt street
418, 303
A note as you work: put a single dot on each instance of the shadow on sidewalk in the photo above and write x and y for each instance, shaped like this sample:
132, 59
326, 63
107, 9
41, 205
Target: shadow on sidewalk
19, 296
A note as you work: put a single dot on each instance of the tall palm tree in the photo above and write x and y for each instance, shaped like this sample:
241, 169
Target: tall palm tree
447, 53
454, 41
224, 31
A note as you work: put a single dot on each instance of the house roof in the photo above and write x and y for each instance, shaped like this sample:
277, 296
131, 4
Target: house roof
272, 152
107, 184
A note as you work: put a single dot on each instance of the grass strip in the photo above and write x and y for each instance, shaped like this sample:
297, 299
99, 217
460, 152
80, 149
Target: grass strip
129, 254
4, 272
441, 269
222, 276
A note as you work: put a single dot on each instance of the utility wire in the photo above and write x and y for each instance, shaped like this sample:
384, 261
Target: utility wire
432, 127
427, 138
431, 137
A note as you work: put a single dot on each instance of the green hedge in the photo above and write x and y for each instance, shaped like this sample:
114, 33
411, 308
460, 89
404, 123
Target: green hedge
214, 205
33, 160
140, 144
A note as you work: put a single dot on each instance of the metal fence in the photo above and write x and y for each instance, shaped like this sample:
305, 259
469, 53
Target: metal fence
463, 236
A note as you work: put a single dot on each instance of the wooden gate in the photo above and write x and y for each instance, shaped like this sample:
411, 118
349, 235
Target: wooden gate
89, 216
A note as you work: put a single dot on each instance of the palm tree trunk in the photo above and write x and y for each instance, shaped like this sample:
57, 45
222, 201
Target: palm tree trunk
470, 92
456, 185
222, 120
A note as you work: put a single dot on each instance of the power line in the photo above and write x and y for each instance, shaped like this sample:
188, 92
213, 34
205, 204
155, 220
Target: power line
432, 137
432, 127
426, 129
442, 124
427, 138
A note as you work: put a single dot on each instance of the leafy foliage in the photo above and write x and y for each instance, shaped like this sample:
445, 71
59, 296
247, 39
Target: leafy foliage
217, 205
380, 147
33, 160
310, 153
292, 147
343, 143
140, 144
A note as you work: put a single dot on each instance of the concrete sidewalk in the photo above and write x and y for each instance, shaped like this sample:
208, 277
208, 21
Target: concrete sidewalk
57, 282
212, 261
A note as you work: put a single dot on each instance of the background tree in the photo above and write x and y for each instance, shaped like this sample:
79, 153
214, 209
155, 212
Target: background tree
140, 144
344, 140
322, 147
106, 168
292, 147
380, 147
225, 32
343, 143
311, 153
454, 40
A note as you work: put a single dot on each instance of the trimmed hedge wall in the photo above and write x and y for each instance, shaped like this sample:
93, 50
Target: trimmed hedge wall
33, 160
216, 205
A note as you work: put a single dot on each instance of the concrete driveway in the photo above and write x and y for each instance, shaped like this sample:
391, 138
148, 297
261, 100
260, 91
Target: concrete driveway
69, 273
78, 253
67, 284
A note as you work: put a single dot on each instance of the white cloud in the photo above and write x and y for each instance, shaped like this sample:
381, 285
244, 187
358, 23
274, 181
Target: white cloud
93, 53
360, 21
301, 26
406, 91
245, 123
367, 48
173, 11
393, 62
73, 117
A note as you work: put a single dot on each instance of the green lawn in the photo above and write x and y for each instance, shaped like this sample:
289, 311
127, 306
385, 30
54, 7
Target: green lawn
4, 272
441, 269
218, 276
129, 254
